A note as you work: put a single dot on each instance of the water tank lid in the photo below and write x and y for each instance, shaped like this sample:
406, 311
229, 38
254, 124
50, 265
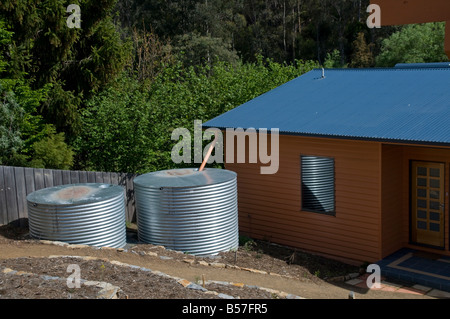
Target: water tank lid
75, 194
184, 177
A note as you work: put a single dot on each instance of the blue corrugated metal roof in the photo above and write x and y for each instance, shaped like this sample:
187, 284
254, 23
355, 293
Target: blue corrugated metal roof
408, 103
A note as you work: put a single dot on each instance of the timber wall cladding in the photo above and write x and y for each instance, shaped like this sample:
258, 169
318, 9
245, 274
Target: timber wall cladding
270, 205
17, 182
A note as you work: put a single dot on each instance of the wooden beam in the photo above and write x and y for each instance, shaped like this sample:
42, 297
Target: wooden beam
397, 12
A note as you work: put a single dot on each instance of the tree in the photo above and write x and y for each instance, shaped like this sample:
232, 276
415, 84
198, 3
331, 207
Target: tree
75, 62
282, 30
20, 125
195, 49
52, 151
150, 56
333, 60
11, 115
25, 138
415, 43
362, 53
117, 129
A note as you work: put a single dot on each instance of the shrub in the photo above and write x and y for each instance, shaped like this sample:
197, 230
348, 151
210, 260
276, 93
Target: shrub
52, 151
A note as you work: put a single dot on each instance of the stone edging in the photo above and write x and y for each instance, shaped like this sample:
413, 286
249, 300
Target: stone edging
186, 260
108, 291
190, 285
201, 262
280, 294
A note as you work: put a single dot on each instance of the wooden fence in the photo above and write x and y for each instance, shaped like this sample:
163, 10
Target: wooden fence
17, 182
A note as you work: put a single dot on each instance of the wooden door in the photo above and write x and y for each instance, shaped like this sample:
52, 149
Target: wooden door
427, 203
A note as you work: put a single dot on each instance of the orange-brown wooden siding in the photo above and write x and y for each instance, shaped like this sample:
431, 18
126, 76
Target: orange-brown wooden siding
270, 205
392, 204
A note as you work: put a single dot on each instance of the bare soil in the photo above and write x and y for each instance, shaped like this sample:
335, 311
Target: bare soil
283, 269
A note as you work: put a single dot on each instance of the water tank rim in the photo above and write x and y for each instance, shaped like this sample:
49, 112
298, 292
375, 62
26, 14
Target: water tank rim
161, 180
99, 192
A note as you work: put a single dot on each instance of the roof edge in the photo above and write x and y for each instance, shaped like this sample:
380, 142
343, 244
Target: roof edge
436, 65
398, 66
346, 137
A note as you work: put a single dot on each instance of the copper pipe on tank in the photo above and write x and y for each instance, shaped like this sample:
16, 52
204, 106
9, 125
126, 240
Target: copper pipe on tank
208, 154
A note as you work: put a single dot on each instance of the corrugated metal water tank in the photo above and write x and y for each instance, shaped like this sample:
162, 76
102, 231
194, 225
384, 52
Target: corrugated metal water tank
90, 214
188, 210
318, 183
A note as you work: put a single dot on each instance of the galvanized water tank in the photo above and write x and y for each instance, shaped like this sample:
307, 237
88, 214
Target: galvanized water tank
90, 214
318, 183
188, 210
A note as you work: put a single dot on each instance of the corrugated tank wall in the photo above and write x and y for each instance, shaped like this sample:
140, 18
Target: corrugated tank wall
270, 205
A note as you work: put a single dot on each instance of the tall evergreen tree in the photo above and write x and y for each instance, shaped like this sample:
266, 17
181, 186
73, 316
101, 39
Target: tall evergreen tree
362, 53
75, 61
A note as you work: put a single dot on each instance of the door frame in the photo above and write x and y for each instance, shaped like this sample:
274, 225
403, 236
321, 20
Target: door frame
410, 200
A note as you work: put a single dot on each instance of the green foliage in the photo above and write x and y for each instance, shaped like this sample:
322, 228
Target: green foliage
195, 49
52, 151
363, 53
333, 60
246, 241
150, 55
117, 129
5, 41
11, 115
32, 124
127, 128
283, 31
182, 95
416, 43
19, 94
186, 95
75, 62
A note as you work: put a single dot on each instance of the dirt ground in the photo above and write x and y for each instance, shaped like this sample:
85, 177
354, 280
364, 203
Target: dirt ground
275, 267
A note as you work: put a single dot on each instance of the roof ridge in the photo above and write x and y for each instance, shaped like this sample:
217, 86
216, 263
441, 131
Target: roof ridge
384, 69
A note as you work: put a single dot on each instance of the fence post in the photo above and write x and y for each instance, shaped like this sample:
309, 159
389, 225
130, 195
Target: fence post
21, 191
12, 213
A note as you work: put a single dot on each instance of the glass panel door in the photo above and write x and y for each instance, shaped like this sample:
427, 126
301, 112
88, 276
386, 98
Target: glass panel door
427, 203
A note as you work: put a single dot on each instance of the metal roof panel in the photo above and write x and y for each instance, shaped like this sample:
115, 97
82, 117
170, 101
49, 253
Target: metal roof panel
401, 104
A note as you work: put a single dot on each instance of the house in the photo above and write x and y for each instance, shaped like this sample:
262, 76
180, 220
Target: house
364, 162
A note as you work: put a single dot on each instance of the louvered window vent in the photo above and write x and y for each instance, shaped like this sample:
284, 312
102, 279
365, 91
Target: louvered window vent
318, 184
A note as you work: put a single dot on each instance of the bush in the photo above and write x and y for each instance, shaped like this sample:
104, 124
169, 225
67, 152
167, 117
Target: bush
415, 43
52, 151
117, 129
